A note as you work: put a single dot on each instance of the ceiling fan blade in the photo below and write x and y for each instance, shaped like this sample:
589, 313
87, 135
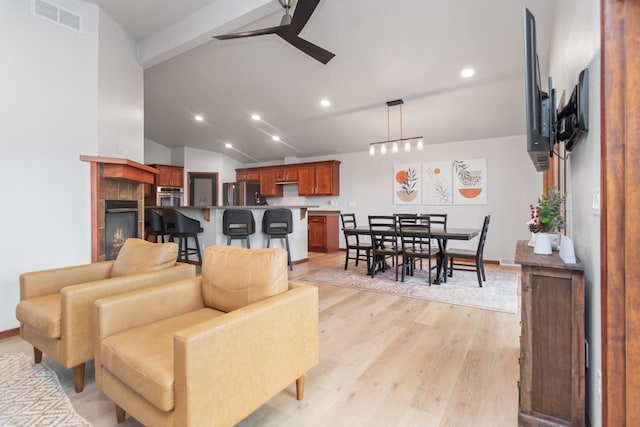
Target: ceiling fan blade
309, 48
301, 15
271, 30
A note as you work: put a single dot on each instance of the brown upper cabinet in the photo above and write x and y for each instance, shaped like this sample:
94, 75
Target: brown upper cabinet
268, 186
287, 174
319, 179
313, 179
169, 176
248, 174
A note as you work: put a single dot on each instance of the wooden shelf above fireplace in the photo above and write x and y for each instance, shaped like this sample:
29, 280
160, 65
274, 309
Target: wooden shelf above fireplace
119, 168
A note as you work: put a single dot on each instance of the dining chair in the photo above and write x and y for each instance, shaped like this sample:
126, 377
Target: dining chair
477, 256
384, 242
416, 246
362, 249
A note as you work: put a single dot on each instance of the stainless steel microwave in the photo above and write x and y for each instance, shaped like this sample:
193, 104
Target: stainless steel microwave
169, 196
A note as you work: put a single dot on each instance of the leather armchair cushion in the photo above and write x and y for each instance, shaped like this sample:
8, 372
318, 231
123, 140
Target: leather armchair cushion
41, 314
142, 357
235, 277
139, 256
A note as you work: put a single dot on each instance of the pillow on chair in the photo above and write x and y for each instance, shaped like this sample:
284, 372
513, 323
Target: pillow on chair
138, 256
234, 277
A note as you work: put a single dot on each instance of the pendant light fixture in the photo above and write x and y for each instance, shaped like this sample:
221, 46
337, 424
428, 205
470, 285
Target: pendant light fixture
395, 144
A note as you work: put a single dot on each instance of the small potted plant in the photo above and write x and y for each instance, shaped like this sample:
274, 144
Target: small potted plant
547, 218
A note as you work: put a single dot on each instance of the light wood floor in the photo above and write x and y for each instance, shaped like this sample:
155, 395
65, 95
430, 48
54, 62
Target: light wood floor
384, 361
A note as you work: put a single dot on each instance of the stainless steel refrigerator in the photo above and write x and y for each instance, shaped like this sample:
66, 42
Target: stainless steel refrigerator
242, 193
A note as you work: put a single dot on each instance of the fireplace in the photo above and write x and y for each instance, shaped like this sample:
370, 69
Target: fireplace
120, 223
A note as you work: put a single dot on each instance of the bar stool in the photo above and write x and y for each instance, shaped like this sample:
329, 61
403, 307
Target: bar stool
278, 223
154, 225
181, 226
238, 224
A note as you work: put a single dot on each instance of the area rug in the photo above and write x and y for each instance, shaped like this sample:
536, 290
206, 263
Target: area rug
498, 293
31, 395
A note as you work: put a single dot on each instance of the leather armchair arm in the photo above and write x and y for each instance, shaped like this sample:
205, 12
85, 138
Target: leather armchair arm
253, 352
47, 282
76, 316
140, 307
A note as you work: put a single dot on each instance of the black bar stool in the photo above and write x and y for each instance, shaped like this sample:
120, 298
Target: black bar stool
181, 226
238, 224
278, 223
154, 225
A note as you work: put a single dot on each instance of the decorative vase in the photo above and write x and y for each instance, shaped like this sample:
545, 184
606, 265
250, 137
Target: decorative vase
543, 244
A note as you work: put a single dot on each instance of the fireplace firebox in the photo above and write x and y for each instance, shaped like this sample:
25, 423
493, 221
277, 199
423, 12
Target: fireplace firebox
120, 223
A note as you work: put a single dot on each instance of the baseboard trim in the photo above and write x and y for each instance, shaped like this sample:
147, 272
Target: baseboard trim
9, 333
300, 261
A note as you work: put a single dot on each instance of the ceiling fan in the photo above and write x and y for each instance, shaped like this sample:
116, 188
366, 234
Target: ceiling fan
289, 29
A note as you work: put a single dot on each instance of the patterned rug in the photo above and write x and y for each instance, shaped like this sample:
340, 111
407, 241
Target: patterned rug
31, 395
498, 293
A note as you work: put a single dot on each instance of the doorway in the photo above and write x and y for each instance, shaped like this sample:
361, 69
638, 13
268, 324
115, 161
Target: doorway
203, 188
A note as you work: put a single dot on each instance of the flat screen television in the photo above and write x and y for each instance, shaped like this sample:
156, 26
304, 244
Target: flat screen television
540, 106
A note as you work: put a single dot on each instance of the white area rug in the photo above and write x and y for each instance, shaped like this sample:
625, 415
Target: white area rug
498, 293
31, 395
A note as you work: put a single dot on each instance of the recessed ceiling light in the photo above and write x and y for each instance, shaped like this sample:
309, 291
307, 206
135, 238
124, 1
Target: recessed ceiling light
255, 116
467, 72
198, 118
228, 145
275, 138
325, 103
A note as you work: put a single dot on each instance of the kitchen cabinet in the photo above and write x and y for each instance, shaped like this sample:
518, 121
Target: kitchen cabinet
323, 231
319, 179
169, 176
287, 174
268, 186
248, 174
552, 353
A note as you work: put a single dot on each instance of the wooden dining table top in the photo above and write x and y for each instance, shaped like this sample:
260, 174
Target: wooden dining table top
450, 233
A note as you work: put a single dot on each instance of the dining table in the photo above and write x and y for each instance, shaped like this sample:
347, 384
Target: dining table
441, 234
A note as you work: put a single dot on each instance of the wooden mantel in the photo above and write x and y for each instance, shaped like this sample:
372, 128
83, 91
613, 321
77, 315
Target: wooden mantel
119, 168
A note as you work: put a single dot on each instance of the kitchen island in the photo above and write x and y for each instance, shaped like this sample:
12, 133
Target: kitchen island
210, 218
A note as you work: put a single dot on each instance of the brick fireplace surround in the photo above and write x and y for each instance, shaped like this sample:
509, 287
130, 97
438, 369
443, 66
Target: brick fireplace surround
114, 179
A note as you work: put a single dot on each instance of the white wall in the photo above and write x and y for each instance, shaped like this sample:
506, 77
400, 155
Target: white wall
48, 118
120, 91
513, 183
155, 153
575, 45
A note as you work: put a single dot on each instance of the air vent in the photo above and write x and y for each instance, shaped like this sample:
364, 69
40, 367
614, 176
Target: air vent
54, 13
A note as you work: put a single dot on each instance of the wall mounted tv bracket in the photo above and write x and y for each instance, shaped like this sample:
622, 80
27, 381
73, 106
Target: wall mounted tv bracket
573, 119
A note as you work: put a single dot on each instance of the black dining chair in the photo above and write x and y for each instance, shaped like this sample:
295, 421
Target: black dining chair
416, 244
384, 242
476, 256
352, 241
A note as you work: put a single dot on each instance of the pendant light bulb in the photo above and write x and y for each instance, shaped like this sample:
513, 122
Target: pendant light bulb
383, 149
394, 147
372, 150
420, 146
407, 146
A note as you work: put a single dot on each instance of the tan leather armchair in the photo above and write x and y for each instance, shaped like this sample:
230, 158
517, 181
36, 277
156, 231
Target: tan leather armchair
208, 351
56, 306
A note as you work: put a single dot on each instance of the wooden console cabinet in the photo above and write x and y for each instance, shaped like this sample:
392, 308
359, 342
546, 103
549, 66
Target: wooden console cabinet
323, 231
552, 353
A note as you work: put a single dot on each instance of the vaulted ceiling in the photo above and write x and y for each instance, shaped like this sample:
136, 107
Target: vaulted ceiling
385, 50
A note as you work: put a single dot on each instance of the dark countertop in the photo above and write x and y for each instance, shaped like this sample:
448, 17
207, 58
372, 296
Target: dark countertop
237, 207
323, 213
